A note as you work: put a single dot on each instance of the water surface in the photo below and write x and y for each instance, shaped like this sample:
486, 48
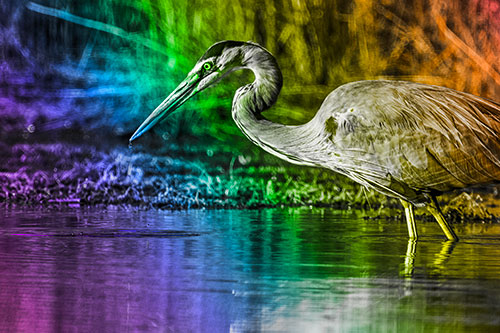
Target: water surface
275, 269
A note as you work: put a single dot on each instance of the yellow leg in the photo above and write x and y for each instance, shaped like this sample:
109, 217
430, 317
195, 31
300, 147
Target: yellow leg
410, 219
433, 208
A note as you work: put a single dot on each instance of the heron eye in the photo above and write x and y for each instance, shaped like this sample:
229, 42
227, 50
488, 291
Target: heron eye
207, 66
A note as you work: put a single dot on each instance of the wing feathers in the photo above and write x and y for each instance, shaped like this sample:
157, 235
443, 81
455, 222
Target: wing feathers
427, 137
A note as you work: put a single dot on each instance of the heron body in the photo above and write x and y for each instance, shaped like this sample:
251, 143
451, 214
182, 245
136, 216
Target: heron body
407, 140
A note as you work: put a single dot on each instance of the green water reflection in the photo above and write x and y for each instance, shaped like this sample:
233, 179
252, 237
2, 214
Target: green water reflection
274, 269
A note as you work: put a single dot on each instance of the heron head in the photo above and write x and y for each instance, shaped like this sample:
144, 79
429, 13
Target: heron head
219, 60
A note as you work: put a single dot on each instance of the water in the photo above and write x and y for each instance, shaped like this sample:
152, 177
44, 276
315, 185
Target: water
217, 271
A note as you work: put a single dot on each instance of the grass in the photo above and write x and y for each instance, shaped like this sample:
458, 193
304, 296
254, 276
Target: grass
45, 173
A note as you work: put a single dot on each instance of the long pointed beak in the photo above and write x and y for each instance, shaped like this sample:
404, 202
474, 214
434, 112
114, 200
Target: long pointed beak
185, 90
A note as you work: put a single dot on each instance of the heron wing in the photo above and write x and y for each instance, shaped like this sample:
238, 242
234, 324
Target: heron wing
409, 137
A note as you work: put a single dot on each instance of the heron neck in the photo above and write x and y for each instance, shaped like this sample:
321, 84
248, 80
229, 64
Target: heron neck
291, 143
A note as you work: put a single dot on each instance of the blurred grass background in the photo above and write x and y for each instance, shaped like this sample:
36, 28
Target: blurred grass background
121, 58
90, 71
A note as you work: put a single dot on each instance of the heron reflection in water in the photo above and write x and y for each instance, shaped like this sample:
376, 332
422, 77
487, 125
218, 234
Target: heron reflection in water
407, 140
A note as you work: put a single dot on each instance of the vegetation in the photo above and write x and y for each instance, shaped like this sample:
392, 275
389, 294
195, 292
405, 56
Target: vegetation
113, 61
38, 172
48, 173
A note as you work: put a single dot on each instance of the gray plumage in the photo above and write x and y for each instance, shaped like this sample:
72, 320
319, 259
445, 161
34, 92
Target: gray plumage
407, 140
401, 138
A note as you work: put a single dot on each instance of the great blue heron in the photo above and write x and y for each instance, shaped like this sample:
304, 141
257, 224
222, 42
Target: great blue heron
407, 140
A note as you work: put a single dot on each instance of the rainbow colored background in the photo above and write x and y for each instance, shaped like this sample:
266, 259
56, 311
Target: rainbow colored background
114, 60
96, 69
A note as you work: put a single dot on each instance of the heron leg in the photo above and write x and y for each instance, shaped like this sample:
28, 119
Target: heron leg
410, 219
433, 208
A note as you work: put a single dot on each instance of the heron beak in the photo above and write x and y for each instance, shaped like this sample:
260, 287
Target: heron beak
184, 91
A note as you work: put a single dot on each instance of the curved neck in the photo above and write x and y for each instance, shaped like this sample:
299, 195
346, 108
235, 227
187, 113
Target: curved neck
291, 143
263, 92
